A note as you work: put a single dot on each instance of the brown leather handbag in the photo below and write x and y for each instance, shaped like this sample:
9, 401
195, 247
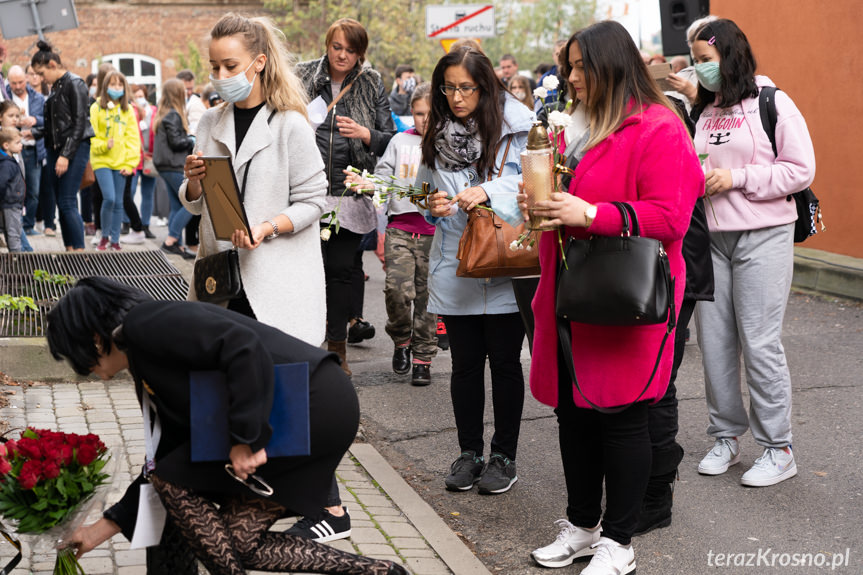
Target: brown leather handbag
483, 250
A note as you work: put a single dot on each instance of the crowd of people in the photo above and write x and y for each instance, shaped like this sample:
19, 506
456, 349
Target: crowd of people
304, 140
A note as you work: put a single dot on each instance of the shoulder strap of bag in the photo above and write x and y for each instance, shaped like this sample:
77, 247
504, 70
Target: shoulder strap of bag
767, 110
344, 91
491, 175
249, 164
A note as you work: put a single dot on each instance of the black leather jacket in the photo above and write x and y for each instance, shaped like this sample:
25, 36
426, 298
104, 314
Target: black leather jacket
67, 115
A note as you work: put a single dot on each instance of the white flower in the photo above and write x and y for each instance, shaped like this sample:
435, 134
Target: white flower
559, 120
529, 247
326, 233
514, 245
110, 105
550, 82
540, 93
349, 185
365, 175
353, 169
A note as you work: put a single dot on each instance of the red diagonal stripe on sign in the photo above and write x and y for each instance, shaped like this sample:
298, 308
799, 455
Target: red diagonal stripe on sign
460, 20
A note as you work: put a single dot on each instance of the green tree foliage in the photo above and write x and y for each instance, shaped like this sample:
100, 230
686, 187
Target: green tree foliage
528, 31
397, 29
194, 61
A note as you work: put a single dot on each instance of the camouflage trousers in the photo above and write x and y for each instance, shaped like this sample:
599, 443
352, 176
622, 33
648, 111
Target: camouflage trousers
407, 261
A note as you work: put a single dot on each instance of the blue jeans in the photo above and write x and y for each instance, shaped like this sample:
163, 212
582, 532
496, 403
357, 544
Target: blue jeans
66, 188
32, 174
148, 188
112, 183
180, 216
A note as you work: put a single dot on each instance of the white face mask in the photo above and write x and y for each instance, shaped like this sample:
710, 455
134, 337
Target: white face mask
236, 88
519, 95
142, 102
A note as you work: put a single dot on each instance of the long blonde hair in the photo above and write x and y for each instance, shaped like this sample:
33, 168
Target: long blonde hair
281, 88
614, 75
173, 98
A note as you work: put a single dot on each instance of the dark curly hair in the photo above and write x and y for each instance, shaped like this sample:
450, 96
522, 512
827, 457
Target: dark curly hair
87, 314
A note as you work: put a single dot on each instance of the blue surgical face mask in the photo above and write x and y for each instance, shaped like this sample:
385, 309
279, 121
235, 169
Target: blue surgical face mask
709, 76
115, 94
236, 88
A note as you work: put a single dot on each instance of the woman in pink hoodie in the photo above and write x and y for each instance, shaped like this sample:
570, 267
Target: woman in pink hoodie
751, 231
637, 150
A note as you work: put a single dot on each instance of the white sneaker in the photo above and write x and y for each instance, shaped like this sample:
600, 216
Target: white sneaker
97, 237
159, 222
572, 542
133, 238
725, 453
611, 558
774, 465
39, 227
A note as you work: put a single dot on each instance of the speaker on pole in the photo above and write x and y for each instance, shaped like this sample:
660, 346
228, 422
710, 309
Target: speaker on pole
676, 17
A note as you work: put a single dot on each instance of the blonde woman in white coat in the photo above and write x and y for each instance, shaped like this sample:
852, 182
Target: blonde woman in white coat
265, 111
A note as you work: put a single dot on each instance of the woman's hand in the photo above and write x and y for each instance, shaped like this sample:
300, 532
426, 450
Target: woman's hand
470, 198
717, 181
126, 172
87, 538
61, 166
439, 205
358, 184
562, 209
245, 462
350, 129
685, 87
194, 170
110, 143
522, 201
241, 239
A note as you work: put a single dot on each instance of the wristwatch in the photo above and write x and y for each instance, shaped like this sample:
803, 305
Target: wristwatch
275, 233
589, 215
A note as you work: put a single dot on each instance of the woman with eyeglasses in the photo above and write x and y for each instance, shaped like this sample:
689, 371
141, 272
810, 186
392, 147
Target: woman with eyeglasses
471, 154
102, 327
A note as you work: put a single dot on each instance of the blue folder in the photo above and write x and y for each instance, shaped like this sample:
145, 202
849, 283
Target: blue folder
289, 417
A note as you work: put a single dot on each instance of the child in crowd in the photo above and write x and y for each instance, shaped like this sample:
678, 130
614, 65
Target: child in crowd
115, 152
12, 188
406, 252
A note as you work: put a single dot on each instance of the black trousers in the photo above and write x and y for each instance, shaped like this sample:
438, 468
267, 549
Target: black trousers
596, 446
339, 253
662, 415
472, 339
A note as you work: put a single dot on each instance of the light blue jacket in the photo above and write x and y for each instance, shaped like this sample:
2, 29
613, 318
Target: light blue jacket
452, 295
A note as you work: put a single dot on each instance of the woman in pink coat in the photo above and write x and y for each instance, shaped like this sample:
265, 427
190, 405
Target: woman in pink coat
637, 150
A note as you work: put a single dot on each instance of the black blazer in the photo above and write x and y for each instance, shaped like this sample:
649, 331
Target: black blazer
164, 341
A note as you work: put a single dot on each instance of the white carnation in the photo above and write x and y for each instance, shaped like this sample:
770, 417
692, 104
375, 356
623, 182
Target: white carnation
540, 93
559, 120
514, 245
110, 105
326, 233
550, 82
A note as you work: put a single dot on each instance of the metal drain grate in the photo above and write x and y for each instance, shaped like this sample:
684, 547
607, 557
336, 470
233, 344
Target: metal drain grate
149, 271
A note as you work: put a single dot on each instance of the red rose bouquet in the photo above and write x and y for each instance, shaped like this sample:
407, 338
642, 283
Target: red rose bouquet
45, 477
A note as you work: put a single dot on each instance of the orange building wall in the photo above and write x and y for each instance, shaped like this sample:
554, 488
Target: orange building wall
813, 50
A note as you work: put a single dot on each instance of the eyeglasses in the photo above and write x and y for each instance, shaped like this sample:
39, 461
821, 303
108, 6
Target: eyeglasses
465, 91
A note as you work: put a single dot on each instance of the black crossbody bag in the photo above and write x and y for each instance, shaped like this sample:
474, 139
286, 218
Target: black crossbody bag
217, 277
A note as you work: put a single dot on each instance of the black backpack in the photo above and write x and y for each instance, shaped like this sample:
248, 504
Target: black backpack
808, 208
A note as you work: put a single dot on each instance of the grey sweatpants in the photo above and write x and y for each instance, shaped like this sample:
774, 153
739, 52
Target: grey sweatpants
13, 228
752, 271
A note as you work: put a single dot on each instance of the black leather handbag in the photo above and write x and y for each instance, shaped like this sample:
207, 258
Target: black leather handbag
614, 280
217, 277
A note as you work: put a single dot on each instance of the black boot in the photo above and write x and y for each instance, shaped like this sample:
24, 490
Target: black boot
656, 507
148, 234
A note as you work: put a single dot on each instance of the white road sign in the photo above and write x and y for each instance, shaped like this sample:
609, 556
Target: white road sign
460, 21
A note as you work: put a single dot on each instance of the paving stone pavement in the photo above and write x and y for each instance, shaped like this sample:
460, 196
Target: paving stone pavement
110, 409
